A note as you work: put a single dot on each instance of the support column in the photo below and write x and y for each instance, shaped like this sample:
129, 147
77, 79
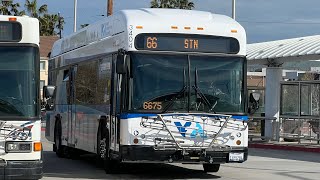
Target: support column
272, 98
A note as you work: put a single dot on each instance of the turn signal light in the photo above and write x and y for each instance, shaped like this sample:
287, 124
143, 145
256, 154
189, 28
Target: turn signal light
37, 146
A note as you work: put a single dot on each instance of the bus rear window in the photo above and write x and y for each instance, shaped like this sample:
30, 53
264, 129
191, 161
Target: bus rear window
10, 31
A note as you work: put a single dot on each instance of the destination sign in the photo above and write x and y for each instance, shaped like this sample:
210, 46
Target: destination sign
187, 43
10, 31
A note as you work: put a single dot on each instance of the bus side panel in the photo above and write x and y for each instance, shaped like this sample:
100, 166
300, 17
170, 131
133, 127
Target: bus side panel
88, 120
50, 125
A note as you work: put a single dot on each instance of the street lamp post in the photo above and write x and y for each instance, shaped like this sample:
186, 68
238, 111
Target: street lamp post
234, 9
75, 16
59, 25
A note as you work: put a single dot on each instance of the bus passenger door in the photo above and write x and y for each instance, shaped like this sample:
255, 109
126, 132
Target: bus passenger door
71, 108
115, 106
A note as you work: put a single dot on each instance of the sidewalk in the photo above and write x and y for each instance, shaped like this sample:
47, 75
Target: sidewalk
288, 146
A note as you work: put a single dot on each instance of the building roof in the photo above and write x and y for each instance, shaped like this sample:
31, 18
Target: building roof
296, 49
46, 43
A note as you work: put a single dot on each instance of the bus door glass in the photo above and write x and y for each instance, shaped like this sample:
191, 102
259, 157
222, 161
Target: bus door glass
71, 105
115, 106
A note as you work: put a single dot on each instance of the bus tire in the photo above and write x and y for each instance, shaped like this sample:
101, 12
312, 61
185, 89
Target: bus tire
102, 144
57, 140
211, 167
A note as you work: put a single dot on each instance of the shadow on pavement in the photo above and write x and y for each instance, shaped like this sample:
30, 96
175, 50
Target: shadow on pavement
281, 154
85, 168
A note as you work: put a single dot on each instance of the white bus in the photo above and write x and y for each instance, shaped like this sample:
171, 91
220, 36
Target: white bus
20, 124
151, 85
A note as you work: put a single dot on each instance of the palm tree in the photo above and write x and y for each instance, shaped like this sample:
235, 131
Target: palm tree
10, 8
4, 8
185, 4
177, 4
49, 23
32, 8
162, 3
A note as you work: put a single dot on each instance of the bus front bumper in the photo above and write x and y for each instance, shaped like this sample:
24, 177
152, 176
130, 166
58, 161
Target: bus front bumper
148, 153
21, 170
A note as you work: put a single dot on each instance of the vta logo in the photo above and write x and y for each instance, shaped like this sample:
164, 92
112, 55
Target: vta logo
197, 131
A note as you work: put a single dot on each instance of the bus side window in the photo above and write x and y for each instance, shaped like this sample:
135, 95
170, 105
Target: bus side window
66, 78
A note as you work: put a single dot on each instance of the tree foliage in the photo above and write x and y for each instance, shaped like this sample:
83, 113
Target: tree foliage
50, 24
33, 10
10, 8
172, 4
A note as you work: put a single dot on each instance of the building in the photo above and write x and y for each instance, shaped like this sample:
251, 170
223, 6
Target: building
46, 43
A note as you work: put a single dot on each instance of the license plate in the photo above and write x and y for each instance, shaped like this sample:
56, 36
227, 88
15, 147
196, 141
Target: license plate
236, 157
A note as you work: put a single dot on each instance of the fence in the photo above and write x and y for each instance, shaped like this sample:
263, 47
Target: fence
257, 126
299, 119
288, 129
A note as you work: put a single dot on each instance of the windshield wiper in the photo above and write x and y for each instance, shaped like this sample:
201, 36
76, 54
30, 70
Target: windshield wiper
201, 95
9, 107
175, 97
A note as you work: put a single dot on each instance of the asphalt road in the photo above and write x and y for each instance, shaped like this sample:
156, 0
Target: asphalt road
262, 164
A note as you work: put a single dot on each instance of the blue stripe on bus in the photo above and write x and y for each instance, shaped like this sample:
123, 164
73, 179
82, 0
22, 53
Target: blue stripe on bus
133, 115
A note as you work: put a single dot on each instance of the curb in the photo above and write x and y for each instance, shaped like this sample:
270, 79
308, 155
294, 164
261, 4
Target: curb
285, 147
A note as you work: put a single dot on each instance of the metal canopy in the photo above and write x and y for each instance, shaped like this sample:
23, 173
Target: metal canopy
296, 49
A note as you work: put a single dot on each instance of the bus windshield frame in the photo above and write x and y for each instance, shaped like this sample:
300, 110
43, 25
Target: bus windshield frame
19, 81
186, 82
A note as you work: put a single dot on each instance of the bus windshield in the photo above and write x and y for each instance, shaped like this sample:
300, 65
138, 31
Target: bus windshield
18, 81
187, 83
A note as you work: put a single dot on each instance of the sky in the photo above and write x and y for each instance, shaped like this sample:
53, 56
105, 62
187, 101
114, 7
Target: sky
264, 20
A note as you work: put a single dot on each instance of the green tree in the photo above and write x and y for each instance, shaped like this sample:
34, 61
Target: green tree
185, 4
176, 4
10, 8
50, 24
33, 10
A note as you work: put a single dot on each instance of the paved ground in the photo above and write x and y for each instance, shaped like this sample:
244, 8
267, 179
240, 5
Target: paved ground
262, 164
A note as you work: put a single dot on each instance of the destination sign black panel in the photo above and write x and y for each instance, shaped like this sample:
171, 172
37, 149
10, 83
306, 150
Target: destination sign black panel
187, 43
10, 31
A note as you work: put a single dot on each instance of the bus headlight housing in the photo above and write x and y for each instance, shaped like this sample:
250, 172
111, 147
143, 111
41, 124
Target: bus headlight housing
22, 147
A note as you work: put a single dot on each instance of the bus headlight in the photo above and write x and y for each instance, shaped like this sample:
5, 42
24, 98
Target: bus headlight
238, 134
18, 147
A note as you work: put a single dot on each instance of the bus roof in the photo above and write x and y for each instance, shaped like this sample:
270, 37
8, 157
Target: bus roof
30, 28
152, 20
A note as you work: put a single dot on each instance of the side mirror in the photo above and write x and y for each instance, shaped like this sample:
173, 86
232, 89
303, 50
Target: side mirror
253, 102
256, 96
121, 63
48, 91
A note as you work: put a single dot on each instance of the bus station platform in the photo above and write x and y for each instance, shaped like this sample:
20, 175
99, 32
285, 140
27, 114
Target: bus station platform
287, 146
